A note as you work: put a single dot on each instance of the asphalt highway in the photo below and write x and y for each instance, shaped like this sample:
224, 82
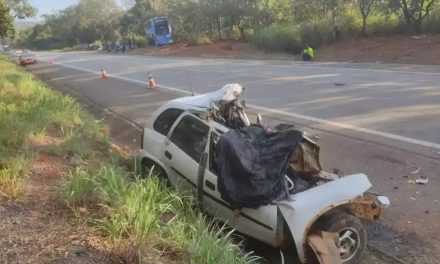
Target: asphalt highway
382, 120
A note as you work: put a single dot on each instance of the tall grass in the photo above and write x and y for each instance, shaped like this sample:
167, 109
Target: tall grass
12, 173
293, 38
144, 212
29, 108
149, 214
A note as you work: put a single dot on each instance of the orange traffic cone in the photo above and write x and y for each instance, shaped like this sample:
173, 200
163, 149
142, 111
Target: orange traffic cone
151, 81
104, 74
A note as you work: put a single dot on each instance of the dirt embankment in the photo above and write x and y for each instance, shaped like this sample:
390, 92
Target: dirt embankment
400, 49
396, 49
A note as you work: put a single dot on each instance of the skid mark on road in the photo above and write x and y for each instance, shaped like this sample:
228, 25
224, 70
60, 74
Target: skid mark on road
414, 141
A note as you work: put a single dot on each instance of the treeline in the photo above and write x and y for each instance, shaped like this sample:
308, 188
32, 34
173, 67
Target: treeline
278, 25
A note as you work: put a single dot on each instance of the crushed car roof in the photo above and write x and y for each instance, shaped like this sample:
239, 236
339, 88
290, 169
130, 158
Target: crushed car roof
227, 93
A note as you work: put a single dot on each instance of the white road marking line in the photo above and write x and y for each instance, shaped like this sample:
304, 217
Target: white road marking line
126, 79
351, 127
287, 64
414, 141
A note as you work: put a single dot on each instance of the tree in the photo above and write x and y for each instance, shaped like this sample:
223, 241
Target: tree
10, 9
97, 20
6, 21
135, 20
214, 10
365, 8
415, 11
20, 8
247, 15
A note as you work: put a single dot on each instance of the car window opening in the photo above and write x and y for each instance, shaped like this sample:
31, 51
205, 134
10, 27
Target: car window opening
191, 135
166, 119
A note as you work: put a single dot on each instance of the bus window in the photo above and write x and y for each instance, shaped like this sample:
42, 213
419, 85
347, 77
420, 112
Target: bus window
161, 27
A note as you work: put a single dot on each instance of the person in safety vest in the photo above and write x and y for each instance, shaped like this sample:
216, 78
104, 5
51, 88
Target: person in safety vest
308, 53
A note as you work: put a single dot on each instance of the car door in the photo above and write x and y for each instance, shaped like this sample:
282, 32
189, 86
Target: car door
185, 145
260, 223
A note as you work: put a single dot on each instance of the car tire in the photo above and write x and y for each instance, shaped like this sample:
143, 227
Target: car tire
149, 167
353, 236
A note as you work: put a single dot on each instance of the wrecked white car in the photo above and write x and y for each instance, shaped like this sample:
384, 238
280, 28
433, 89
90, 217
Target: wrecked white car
265, 183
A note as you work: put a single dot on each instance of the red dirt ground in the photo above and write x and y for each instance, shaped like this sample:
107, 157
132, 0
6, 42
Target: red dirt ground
38, 228
401, 49
397, 49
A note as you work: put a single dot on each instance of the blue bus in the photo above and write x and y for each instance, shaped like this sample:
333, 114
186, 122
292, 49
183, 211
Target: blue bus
159, 30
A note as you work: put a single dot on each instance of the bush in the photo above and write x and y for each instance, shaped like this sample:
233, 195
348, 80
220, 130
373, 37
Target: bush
279, 38
293, 38
141, 41
149, 214
316, 34
28, 109
382, 26
79, 189
432, 23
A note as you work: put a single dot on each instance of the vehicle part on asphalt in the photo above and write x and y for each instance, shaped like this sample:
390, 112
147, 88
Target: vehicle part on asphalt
413, 169
422, 180
384, 202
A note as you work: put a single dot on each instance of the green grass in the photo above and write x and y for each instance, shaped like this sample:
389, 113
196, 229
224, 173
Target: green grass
144, 212
293, 38
149, 214
28, 109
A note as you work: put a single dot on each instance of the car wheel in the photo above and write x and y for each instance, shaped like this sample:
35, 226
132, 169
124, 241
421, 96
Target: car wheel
352, 235
149, 168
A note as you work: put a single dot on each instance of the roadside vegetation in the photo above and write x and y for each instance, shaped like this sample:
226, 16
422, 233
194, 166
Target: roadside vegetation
272, 25
140, 217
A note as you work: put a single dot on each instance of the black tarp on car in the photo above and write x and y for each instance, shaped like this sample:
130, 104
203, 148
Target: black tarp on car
252, 163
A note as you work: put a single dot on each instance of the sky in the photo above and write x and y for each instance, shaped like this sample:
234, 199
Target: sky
49, 6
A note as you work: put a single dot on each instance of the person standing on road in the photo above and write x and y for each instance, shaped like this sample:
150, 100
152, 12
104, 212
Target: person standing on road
308, 54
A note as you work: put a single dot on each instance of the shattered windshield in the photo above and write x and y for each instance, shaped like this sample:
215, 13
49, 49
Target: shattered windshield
161, 27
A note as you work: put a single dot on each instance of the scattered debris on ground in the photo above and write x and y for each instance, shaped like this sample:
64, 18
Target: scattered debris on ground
413, 169
422, 180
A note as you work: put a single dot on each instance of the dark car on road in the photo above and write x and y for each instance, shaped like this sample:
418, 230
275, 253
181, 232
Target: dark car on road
27, 58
